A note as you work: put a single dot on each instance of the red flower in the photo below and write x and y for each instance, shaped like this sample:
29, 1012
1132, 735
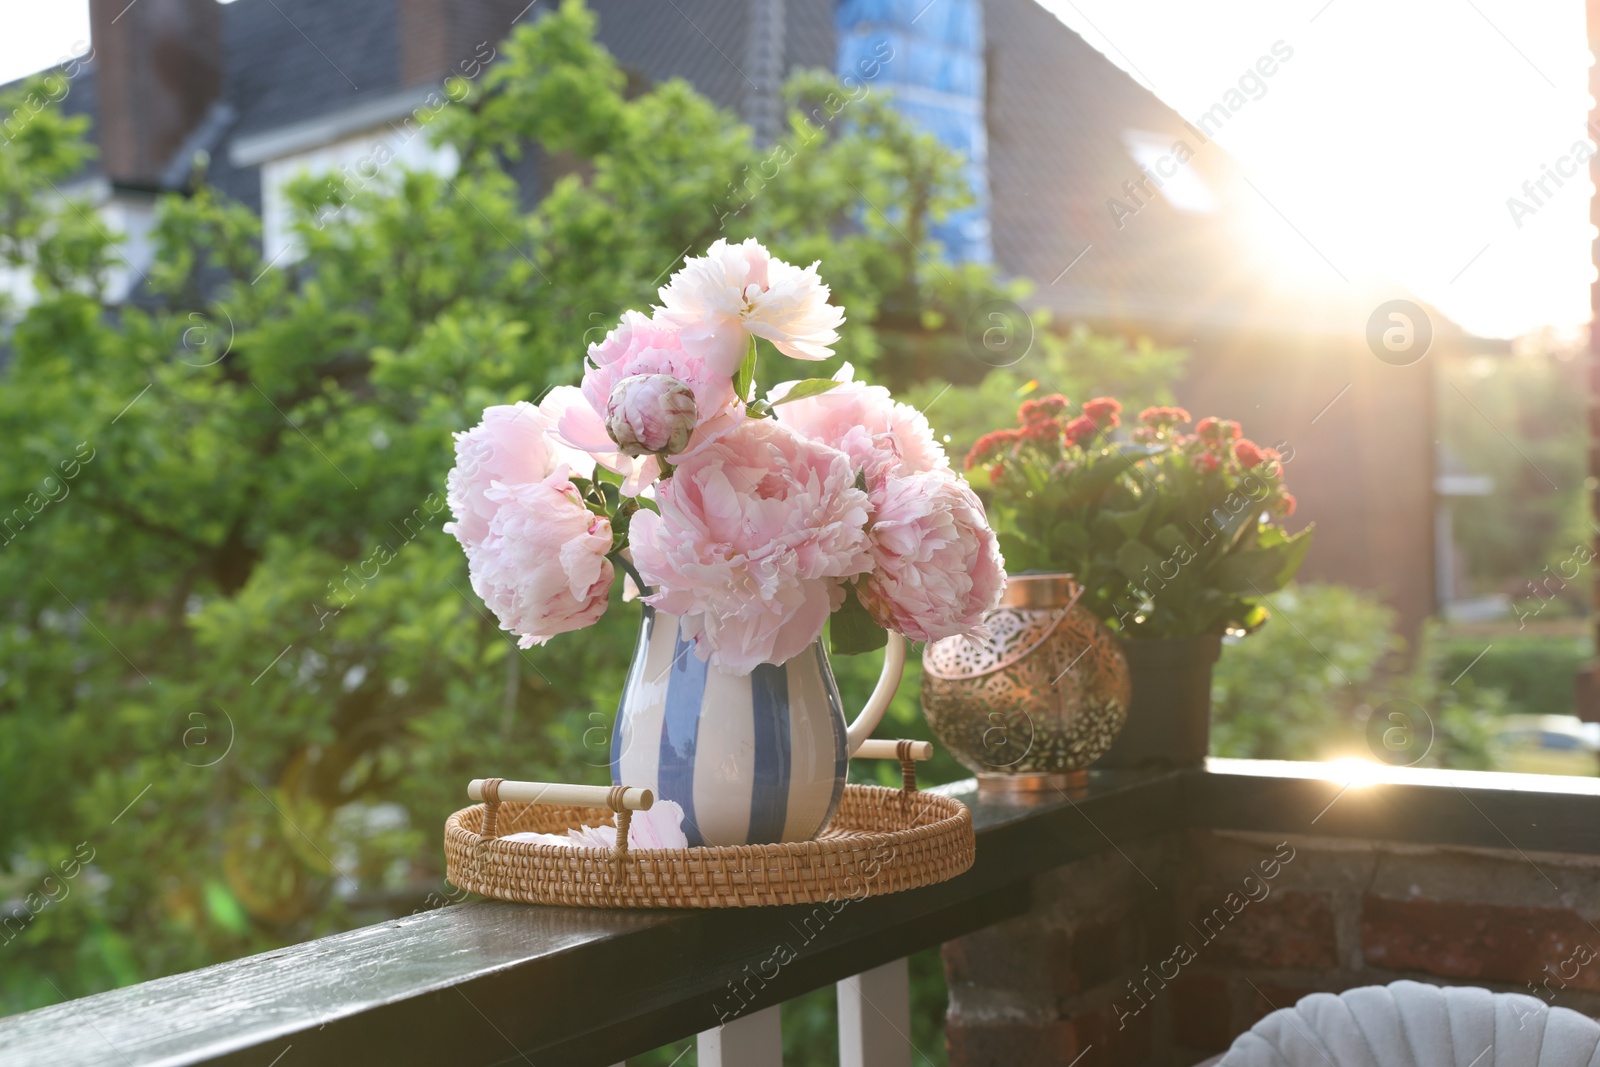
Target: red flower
1248, 453
1042, 430
1103, 410
1214, 429
1041, 410
1206, 462
995, 472
1161, 416
1081, 429
1288, 504
989, 444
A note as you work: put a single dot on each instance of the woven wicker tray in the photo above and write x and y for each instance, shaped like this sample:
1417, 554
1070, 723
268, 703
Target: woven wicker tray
880, 841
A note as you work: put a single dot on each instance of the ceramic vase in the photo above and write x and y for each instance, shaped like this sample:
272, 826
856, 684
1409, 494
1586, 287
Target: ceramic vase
752, 759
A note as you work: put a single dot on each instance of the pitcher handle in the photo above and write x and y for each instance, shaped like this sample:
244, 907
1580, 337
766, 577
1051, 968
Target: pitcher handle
894, 665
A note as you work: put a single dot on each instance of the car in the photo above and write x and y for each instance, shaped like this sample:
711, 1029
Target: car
1548, 744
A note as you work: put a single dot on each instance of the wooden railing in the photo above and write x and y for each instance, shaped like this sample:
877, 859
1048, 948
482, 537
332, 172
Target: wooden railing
491, 983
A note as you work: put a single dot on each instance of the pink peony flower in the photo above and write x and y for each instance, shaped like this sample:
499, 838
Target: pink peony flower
513, 444
640, 345
881, 437
936, 563
756, 532
651, 414
733, 291
542, 568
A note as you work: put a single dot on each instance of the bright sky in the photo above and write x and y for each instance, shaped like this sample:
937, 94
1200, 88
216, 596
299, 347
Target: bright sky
40, 34
1395, 135
1391, 141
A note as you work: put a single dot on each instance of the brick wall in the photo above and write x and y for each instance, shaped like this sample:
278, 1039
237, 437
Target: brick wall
1160, 955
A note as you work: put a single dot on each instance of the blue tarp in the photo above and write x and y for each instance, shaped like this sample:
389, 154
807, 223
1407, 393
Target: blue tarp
936, 79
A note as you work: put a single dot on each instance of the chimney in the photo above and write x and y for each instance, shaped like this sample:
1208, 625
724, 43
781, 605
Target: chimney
437, 37
158, 68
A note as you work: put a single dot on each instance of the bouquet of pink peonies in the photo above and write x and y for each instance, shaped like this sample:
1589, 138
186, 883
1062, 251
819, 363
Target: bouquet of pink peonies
753, 520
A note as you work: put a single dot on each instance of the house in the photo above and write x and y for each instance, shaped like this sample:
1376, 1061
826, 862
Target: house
1127, 217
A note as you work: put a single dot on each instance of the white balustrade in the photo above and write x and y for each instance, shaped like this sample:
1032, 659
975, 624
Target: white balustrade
753, 1040
875, 1017
874, 1026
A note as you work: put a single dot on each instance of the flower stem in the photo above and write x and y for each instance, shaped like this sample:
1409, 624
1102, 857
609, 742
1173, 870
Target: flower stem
621, 560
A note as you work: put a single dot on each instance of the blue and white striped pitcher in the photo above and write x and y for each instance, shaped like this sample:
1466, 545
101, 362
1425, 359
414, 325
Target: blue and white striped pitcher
752, 759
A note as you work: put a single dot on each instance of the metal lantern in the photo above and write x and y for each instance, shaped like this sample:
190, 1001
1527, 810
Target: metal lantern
1042, 697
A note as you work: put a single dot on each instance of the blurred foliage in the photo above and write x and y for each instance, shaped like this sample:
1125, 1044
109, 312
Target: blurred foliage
240, 664
1519, 540
1307, 685
1534, 670
1078, 364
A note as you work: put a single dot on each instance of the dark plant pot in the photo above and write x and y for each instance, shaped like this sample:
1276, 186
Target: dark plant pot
1169, 721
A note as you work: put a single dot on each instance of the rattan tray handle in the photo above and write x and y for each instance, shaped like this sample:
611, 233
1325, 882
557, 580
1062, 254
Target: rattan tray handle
622, 799
907, 752
571, 796
625, 800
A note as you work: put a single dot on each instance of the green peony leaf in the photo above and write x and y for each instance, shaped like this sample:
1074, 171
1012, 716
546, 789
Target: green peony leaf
803, 389
851, 630
746, 378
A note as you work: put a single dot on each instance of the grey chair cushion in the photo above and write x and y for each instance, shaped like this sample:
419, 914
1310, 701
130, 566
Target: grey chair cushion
1409, 1024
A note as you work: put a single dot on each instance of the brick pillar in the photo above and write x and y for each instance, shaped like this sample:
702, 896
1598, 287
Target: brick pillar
1044, 987
1108, 968
437, 36
158, 69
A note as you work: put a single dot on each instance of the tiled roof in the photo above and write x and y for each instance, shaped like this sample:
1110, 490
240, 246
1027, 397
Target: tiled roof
810, 37
704, 42
700, 41
289, 60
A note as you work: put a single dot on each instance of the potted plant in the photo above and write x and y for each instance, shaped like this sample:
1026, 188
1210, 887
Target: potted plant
1174, 534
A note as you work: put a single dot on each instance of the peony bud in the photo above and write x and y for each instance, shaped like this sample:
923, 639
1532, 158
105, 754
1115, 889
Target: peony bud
651, 413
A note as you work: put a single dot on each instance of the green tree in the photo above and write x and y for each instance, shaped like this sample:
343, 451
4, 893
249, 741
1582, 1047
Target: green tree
240, 664
1520, 420
1309, 686
1078, 363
